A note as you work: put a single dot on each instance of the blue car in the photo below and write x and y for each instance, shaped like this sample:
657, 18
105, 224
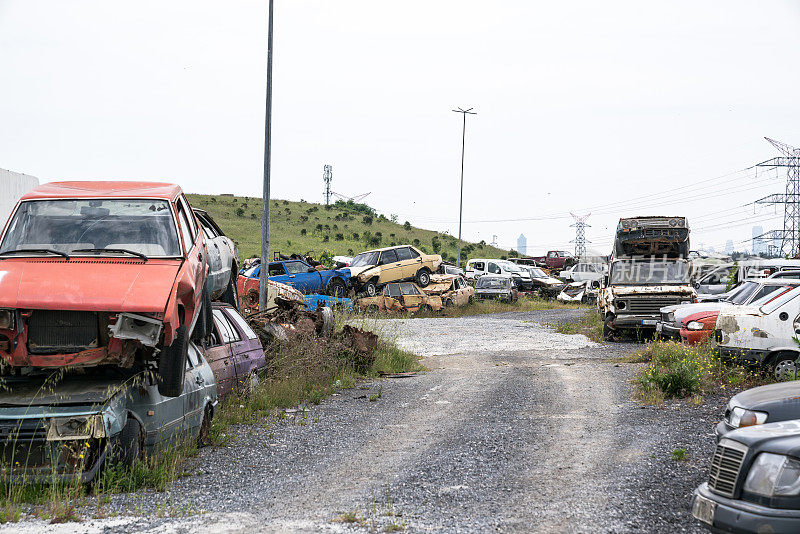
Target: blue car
305, 278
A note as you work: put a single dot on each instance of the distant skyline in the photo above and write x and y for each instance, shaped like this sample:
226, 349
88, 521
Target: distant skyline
617, 108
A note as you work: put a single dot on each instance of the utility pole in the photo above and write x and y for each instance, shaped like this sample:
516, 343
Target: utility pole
464, 113
790, 235
263, 278
327, 177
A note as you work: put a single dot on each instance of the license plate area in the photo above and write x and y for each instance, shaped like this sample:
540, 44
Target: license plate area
649, 322
659, 327
703, 509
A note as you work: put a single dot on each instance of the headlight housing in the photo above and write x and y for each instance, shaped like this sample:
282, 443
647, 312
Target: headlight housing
695, 325
773, 474
76, 427
7, 319
620, 304
741, 417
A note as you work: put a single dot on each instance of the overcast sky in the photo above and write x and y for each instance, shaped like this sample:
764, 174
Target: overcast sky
614, 108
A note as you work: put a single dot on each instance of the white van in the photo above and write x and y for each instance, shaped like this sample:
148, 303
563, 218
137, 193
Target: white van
478, 267
763, 333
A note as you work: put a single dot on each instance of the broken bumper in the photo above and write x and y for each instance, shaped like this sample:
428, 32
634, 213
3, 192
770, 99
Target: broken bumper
741, 355
669, 330
729, 515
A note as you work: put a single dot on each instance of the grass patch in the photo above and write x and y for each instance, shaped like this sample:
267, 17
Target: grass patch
680, 371
590, 325
348, 517
679, 455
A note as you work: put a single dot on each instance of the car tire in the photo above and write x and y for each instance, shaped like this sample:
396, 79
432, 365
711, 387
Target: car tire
337, 288
204, 434
371, 288
128, 447
784, 366
172, 364
231, 294
423, 277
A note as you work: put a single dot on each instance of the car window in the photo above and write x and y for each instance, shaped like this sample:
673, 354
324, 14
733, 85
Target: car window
414, 253
408, 289
296, 267
773, 305
276, 269
551, 254
183, 223
387, 257
404, 253
229, 333
393, 290
214, 337
208, 230
478, 266
189, 215
494, 269
243, 326
194, 356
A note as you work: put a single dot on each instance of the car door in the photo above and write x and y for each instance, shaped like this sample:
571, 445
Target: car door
305, 278
238, 346
277, 273
493, 268
251, 344
409, 261
219, 358
193, 387
463, 297
392, 297
412, 297
217, 278
390, 267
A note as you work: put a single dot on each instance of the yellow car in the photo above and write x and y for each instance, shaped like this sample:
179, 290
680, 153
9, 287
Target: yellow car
405, 297
372, 269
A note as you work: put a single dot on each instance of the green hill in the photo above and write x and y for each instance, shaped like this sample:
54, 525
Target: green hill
344, 228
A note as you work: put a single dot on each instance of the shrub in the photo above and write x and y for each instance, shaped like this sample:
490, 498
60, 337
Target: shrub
339, 237
303, 231
367, 219
240, 212
407, 226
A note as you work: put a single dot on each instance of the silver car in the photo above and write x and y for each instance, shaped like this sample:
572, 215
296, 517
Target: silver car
223, 261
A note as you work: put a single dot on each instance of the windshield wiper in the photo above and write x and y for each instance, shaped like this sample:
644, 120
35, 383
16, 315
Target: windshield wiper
120, 250
39, 250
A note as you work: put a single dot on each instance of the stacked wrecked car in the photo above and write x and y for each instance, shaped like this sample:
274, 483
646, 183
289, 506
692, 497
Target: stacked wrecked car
105, 308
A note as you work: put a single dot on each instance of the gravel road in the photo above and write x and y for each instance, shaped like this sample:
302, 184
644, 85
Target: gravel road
514, 428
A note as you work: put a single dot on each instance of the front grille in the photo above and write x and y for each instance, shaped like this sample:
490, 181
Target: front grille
649, 306
725, 467
23, 430
52, 332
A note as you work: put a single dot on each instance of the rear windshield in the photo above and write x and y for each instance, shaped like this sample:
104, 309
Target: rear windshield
492, 282
140, 225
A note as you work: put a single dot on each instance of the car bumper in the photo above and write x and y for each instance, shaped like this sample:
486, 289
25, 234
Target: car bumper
734, 516
693, 337
492, 296
636, 321
721, 429
669, 330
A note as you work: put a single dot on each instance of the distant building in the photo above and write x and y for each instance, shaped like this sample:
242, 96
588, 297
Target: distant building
729, 247
522, 244
12, 186
759, 245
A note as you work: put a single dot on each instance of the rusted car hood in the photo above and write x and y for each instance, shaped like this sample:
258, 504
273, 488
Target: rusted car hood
68, 392
87, 284
651, 290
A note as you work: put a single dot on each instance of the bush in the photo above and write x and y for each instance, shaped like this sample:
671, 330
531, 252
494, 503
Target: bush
407, 226
240, 212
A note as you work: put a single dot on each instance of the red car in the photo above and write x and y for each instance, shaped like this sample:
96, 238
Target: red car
698, 327
98, 273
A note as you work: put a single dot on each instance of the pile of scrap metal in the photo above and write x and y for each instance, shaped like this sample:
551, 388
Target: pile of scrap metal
584, 291
453, 289
286, 317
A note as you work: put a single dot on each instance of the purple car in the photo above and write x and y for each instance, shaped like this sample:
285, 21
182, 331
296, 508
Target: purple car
233, 350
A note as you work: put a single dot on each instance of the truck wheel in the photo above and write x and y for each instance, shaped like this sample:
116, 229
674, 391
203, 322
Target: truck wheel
172, 365
371, 288
423, 277
609, 332
231, 294
337, 288
784, 366
128, 446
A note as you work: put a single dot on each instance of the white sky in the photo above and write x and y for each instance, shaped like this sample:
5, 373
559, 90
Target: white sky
618, 108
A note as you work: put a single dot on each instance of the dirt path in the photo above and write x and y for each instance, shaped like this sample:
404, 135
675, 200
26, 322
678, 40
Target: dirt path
539, 439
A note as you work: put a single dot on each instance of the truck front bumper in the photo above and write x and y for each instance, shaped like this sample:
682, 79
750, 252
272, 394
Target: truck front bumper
729, 515
636, 321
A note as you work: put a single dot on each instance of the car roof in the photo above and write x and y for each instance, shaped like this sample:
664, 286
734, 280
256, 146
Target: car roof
387, 248
103, 189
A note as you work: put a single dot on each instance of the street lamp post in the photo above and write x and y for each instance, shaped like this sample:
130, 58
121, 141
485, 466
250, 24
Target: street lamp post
262, 283
464, 113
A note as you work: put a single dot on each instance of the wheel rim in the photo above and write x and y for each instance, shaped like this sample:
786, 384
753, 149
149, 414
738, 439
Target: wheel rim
424, 279
371, 290
785, 368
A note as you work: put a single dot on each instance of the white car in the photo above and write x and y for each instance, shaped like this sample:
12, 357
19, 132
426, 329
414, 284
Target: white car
478, 267
223, 261
762, 335
582, 272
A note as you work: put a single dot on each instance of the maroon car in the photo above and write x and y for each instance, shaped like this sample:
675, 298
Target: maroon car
233, 350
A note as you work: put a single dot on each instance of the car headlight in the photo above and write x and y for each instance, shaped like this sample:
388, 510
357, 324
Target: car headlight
773, 474
695, 325
7, 319
671, 317
686, 302
741, 417
76, 427
620, 305
673, 222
